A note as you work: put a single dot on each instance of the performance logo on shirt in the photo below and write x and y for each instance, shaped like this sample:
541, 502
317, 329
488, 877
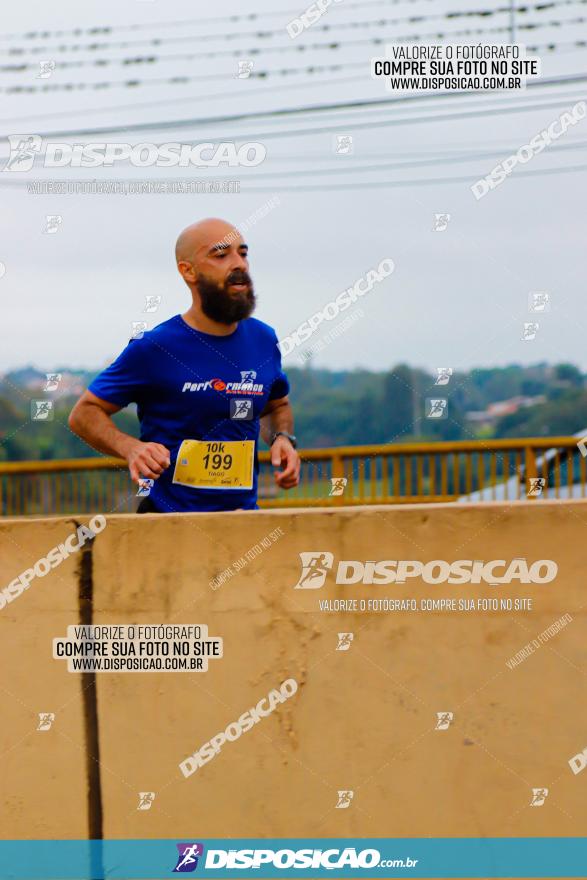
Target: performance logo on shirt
247, 385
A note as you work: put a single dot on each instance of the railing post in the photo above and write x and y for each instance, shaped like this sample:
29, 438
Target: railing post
531, 471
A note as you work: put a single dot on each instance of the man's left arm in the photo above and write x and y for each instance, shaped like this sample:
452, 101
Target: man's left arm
278, 416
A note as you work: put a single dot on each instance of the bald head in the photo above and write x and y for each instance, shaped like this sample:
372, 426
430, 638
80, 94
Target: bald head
203, 238
212, 259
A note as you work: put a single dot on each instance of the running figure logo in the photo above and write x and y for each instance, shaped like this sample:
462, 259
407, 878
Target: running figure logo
245, 68
343, 145
46, 719
338, 485
23, 150
46, 69
42, 410
314, 569
443, 375
146, 799
530, 330
52, 383
344, 799
441, 222
344, 641
444, 720
436, 408
536, 485
241, 409
539, 301
189, 853
52, 223
152, 303
539, 795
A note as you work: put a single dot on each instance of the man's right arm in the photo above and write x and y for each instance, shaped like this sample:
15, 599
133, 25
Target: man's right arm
91, 420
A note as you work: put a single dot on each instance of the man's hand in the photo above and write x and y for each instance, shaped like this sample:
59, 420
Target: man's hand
146, 460
283, 454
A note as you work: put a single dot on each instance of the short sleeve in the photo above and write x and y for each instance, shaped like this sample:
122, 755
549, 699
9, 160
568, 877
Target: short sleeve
123, 381
280, 385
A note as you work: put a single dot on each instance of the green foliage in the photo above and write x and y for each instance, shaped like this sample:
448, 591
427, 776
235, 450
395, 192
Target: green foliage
564, 415
336, 408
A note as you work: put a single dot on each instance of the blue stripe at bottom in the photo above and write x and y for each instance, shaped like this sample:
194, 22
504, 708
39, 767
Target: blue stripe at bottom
277, 857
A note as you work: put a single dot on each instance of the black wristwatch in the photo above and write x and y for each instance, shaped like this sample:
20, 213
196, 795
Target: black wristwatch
290, 437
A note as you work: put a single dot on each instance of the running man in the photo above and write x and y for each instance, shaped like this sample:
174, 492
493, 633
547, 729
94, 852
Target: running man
194, 378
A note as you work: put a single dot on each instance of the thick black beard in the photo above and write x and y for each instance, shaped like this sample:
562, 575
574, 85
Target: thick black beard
220, 305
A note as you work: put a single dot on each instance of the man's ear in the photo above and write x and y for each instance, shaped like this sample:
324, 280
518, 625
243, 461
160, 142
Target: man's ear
187, 271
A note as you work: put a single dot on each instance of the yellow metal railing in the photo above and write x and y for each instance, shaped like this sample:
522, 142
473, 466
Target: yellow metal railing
478, 470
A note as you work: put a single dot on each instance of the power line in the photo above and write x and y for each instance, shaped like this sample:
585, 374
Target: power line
10, 183
428, 181
241, 53
157, 41
177, 79
443, 149
214, 95
181, 80
251, 51
209, 96
384, 123
457, 101
184, 80
380, 103
247, 16
411, 19
485, 112
394, 166
260, 75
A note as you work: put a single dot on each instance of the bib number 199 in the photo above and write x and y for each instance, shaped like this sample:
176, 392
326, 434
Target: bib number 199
216, 460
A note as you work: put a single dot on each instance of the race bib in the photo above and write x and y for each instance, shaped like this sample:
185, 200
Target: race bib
217, 464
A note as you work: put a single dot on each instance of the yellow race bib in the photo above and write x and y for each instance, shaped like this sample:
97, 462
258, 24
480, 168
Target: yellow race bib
215, 464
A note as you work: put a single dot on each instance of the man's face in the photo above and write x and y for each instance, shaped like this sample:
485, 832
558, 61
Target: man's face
223, 281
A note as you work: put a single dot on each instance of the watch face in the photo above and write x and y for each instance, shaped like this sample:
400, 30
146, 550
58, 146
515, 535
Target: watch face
290, 437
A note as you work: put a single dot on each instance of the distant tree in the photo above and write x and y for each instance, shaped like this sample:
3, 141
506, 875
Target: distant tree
399, 404
569, 374
532, 387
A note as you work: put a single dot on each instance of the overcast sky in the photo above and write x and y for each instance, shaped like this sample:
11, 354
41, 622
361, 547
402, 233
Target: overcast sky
456, 298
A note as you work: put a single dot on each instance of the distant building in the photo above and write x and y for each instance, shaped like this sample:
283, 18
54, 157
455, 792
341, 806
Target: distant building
488, 417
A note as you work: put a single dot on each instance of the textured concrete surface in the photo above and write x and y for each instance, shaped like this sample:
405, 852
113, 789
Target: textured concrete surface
362, 719
42, 773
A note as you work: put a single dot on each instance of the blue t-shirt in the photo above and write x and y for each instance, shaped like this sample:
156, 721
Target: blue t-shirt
186, 385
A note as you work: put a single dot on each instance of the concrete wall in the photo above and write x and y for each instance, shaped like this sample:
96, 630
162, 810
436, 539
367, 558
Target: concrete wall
39, 767
362, 719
